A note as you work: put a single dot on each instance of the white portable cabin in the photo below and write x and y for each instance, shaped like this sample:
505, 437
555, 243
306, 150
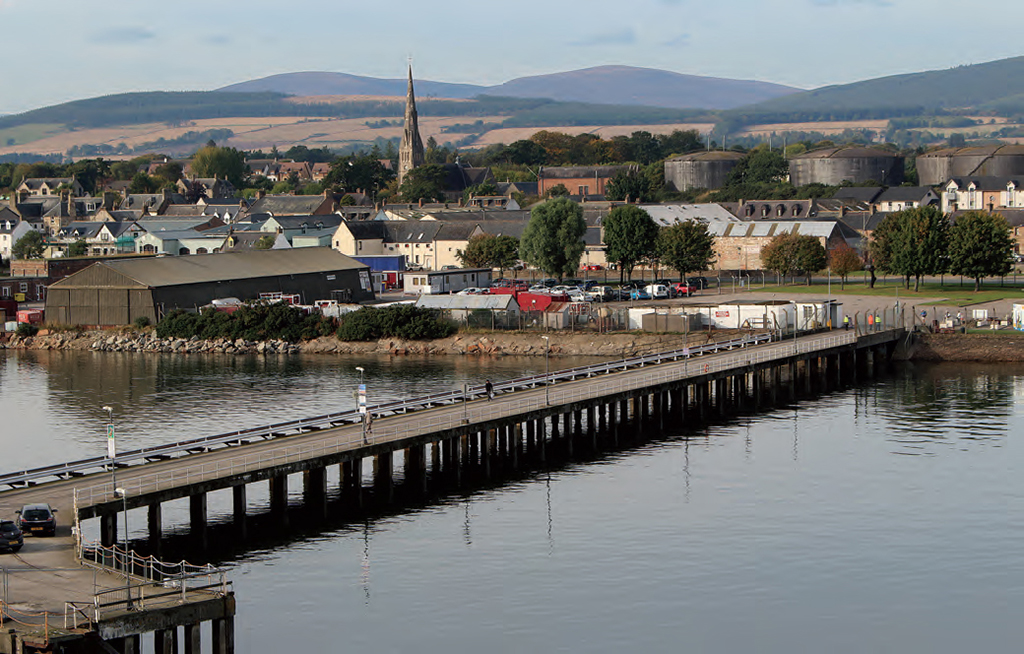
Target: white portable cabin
768, 315
819, 314
436, 282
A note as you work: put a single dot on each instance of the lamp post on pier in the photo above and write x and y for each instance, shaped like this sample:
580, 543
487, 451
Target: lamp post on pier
361, 400
111, 447
126, 562
547, 370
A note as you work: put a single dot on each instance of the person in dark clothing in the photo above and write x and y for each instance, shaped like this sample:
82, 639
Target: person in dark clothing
489, 388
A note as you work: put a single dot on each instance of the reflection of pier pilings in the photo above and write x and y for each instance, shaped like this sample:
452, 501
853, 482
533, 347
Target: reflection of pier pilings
486, 456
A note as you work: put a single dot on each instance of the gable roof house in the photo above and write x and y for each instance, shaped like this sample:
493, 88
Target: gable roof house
101, 238
179, 242
899, 198
294, 205
212, 187
584, 181
38, 186
12, 228
982, 194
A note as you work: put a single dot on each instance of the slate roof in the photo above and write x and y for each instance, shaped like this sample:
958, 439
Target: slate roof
311, 222
401, 231
206, 268
985, 183
283, 205
35, 183
905, 194
459, 177
858, 193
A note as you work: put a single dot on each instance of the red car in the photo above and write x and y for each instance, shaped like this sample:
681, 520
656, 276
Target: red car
592, 266
682, 289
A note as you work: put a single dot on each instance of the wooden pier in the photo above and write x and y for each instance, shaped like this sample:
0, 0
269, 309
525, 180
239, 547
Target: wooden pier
429, 438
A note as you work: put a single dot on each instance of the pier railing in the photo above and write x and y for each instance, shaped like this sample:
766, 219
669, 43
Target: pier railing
71, 469
466, 413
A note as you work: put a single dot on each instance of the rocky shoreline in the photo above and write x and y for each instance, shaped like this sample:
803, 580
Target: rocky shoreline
996, 347
492, 344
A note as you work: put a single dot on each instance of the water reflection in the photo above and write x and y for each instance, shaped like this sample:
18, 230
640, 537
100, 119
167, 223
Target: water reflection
929, 410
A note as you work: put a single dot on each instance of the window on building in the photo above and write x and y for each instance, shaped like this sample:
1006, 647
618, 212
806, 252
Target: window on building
5, 291
23, 287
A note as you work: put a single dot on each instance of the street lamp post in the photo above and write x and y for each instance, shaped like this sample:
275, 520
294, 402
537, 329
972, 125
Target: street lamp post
111, 447
127, 580
361, 400
547, 370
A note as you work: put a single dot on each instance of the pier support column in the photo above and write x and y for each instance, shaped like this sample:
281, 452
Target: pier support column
131, 644
490, 438
193, 644
383, 475
352, 481
592, 425
416, 466
435, 457
197, 517
108, 529
224, 635
239, 506
531, 438
154, 520
314, 489
542, 440
165, 641
279, 498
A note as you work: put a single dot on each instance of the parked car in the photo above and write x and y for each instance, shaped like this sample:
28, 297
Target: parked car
472, 290
449, 267
10, 536
549, 282
639, 294
37, 519
602, 294
589, 284
682, 289
592, 266
657, 291
699, 282
577, 296
629, 286
573, 282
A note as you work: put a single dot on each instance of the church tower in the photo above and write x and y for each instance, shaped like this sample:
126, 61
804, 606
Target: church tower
410, 151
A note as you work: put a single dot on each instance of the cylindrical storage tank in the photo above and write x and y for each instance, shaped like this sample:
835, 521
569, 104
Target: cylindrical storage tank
935, 168
708, 170
938, 167
833, 166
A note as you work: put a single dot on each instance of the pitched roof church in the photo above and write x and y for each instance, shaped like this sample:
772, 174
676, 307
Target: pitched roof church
410, 150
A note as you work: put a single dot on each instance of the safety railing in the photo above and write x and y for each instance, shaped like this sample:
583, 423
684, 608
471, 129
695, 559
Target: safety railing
81, 467
459, 416
34, 620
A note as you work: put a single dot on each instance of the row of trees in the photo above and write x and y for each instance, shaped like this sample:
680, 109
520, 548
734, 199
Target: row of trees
919, 242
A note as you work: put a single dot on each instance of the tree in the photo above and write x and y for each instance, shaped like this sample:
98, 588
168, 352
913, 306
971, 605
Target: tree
487, 251
843, 260
810, 255
488, 188
558, 191
29, 246
224, 163
553, 239
169, 173
424, 182
526, 153
761, 166
630, 236
629, 185
980, 245
687, 247
780, 255
78, 249
142, 183
264, 242
911, 243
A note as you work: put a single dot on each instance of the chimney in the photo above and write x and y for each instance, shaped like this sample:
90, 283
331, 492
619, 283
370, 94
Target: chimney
421, 203
742, 202
260, 194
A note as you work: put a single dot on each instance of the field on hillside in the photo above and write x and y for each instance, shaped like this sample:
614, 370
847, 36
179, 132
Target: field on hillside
512, 134
250, 133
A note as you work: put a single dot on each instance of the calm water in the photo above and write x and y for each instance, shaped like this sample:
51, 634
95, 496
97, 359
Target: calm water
879, 519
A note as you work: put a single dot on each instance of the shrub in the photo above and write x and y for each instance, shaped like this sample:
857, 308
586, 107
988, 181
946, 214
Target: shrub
251, 322
25, 329
142, 322
400, 321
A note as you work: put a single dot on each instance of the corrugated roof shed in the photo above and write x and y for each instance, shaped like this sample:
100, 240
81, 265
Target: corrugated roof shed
468, 302
200, 268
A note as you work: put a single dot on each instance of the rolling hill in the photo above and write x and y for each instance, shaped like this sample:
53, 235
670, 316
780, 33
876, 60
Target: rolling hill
993, 86
619, 85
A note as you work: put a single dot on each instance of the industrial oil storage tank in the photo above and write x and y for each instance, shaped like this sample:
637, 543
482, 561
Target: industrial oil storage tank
708, 170
833, 166
938, 167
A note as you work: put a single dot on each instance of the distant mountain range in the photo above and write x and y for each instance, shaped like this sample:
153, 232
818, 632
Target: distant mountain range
996, 86
620, 85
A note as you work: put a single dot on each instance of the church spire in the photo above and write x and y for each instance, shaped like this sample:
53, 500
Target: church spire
410, 151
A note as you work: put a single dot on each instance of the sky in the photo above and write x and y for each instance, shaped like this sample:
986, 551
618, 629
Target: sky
60, 50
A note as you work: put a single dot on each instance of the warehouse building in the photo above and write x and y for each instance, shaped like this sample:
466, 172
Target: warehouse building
119, 292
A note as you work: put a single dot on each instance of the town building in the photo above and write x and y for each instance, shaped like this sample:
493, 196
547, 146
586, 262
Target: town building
117, 292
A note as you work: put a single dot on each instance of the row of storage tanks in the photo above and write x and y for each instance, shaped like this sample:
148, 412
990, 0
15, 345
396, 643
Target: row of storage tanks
832, 166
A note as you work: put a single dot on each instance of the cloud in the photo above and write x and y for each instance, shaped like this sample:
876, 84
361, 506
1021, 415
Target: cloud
679, 40
625, 36
125, 35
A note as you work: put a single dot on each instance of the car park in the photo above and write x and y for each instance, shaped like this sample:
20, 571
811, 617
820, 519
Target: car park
37, 519
682, 289
577, 295
657, 291
11, 538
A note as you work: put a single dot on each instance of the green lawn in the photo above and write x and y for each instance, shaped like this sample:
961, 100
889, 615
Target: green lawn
951, 293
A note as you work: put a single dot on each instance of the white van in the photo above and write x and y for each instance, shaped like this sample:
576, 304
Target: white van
657, 291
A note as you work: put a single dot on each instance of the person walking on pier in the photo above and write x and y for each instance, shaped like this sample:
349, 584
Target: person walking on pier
489, 389
846, 323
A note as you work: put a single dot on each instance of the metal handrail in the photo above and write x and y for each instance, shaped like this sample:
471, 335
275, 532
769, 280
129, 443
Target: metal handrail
16, 480
454, 418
